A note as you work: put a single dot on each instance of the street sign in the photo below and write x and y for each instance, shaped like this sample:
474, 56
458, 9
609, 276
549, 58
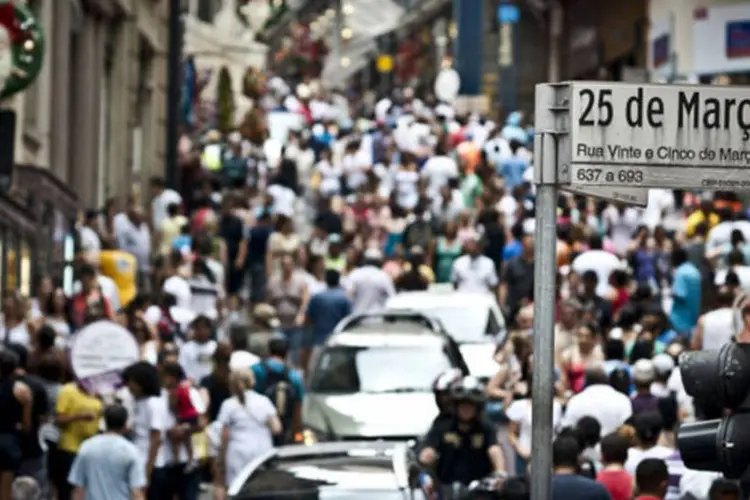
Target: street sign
668, 136
637, 197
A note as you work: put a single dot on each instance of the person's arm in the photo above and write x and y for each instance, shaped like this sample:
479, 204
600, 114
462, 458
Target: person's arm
696, 343
494, 452
239, 263
137, 478
77, 476
514, 428
428, 457
274, 424
23, 394
300, 319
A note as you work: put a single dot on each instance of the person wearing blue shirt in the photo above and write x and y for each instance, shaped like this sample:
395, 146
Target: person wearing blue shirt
686, 294
512, 168
566, 482
257, 246
327, 308
514, 248
108, 466
278, 352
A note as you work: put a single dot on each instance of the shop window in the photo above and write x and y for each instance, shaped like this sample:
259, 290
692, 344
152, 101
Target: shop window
24, 270
69, 252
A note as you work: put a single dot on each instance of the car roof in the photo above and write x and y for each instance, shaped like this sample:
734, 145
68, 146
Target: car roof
434, 299
356, 465
379, 337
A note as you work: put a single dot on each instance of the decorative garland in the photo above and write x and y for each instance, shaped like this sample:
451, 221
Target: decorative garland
21, 48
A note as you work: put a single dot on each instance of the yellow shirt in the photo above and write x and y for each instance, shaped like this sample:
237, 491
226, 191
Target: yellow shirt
121, 268
71, 401
696, 218
171, 228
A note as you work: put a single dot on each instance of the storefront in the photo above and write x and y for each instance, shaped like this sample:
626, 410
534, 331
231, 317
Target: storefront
36, 221
721, 43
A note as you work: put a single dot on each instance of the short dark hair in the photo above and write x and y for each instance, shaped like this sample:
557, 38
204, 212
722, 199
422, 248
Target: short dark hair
173, 370
115, 417
614, 349
648, 426
21, 353
614, 449
86, 270
515, 488
333, 278
8, 363
565, 451
589, 430
650, 475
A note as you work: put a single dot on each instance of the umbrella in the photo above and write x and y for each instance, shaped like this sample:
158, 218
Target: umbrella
601, 262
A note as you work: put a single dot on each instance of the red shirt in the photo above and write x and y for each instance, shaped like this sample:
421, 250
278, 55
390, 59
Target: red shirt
185, 408
618, 482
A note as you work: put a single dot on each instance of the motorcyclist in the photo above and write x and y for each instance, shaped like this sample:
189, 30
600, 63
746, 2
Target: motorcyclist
441, 388
462, 448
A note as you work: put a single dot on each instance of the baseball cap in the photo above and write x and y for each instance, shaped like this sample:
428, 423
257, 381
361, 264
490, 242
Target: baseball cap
663, 364
643, 371
373, 254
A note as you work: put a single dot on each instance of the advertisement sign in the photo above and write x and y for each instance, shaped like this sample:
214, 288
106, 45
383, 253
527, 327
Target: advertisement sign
738, 39
99, 354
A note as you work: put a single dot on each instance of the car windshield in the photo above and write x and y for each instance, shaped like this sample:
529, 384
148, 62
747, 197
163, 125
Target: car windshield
465, 323
344, 369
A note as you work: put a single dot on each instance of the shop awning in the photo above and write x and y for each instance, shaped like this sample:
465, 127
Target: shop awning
365, 20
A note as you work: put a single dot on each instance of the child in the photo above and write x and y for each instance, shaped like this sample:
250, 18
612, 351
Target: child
181, 406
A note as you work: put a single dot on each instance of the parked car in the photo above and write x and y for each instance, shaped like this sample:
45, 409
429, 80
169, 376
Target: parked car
373, 378
324, 471
473, 320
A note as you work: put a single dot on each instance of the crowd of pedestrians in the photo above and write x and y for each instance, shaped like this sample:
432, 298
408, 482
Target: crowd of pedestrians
231, 281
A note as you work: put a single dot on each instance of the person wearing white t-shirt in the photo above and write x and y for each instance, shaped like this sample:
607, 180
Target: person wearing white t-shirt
474, 272
171, 477
196, 355
599, 400
356, 165
249, 421
438, 170
283, 199
161, 199
330, 175
519, 430
108, 288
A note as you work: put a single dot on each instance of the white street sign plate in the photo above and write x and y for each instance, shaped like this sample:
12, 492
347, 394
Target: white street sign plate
631, 196
668, 136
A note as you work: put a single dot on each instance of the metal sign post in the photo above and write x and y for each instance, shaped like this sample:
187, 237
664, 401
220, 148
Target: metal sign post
623, 138
546, 143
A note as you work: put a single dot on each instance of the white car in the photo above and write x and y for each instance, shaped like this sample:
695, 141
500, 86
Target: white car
474, 320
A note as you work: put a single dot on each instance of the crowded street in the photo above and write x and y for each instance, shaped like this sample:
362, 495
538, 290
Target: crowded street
321, 250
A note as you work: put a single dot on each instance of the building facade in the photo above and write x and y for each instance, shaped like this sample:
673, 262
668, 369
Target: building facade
89, 129
604, 39
699, 40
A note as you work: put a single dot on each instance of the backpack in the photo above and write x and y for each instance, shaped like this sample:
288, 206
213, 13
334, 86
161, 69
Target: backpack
280, 390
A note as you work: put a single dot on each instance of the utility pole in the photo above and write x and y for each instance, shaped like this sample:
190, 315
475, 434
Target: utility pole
174, 78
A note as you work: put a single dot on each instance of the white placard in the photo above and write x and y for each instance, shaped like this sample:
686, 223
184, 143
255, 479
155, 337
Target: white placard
668, 136
100, 352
